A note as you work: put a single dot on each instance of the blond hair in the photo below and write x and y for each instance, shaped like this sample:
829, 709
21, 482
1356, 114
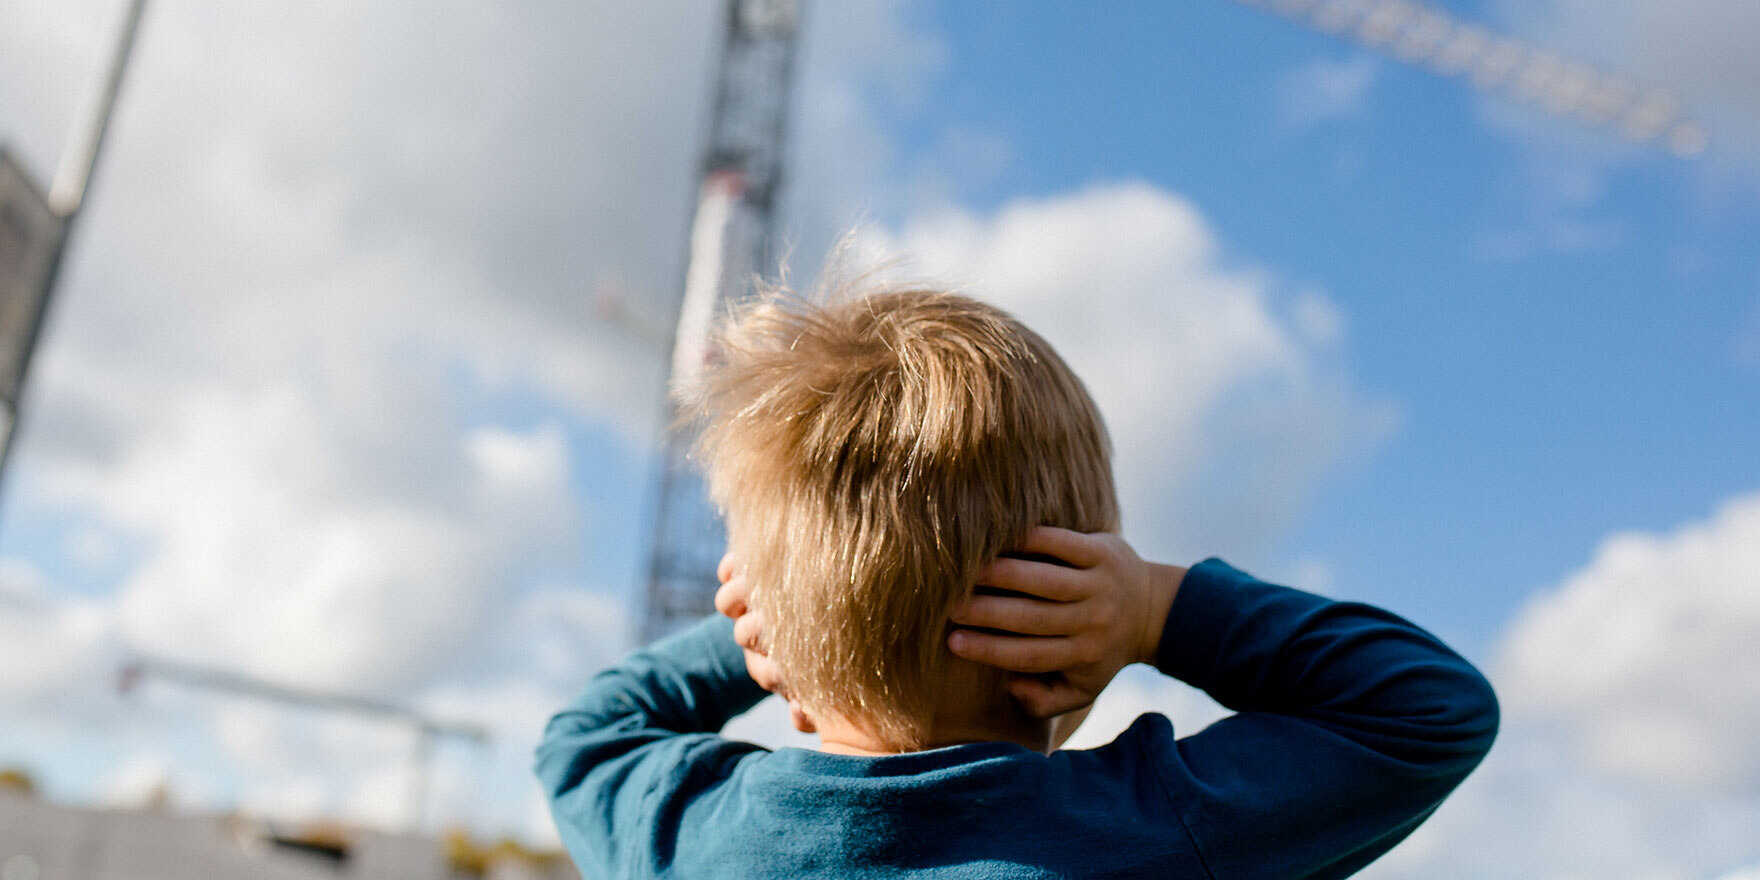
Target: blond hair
872, 450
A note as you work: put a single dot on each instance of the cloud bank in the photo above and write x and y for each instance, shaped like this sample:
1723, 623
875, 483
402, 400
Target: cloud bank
1221, 385
1630, 713
326, 397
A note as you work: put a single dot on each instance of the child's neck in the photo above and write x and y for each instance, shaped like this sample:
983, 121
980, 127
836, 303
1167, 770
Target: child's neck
840, 737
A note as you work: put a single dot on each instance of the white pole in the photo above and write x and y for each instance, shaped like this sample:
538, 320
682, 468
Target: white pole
67, 193
74, 177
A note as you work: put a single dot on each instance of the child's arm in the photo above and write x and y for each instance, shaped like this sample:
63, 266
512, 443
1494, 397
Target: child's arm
693, 682
606, 757
1352, 723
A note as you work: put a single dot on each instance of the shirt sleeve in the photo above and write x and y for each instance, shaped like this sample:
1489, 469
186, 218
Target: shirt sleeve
642, 732
1352, 725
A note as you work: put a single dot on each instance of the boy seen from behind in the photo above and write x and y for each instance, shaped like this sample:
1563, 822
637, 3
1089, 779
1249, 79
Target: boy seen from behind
920, 512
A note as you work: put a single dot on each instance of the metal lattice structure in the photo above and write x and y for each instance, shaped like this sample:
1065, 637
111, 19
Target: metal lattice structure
731, 240
1427, 36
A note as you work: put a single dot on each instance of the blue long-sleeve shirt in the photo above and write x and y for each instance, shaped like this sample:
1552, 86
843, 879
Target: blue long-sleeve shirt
1351, 726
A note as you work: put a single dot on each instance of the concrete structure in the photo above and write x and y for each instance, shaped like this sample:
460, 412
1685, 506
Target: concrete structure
44, 841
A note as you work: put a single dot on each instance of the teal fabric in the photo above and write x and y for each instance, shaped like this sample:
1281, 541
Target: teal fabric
1351, 726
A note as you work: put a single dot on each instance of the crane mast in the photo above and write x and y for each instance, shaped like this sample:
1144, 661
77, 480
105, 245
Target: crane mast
731, 239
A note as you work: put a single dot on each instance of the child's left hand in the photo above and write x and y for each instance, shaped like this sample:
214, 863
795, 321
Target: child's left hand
748, 631
1069, 628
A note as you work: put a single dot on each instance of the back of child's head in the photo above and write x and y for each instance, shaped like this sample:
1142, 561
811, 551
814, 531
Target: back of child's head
872, 449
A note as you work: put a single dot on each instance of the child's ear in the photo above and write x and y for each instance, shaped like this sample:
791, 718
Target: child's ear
802, 722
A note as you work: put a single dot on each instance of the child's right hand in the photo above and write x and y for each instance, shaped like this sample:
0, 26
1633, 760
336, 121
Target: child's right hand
1075, 626
731, 599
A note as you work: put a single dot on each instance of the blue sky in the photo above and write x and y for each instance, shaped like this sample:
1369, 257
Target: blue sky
325, 397
1545, 398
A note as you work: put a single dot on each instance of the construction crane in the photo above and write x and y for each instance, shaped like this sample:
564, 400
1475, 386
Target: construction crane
34, 229
1429, 37
425, 729
731, 239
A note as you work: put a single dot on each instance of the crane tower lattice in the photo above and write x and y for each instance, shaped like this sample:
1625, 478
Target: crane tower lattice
730, 240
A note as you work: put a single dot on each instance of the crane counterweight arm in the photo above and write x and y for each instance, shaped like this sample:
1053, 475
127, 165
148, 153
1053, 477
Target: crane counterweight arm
1427, 36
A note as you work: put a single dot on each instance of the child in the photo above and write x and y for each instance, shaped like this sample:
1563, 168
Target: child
918, 497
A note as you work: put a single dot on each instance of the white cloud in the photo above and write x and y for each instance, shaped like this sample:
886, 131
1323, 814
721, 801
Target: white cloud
92, 547
49, 646
272, 750
863, 63
1221, 389
1138, 690
1532, 810
1324, 89
1648, 654
319, 372
559, 633
320, 236
139, 779
267, 561
1629, 717
220, 751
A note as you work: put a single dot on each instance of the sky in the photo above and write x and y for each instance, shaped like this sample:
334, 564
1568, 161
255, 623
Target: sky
325, 397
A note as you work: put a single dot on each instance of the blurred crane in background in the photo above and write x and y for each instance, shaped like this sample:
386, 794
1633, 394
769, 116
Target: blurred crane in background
1430, 38
35, 228
731, 240
424, 729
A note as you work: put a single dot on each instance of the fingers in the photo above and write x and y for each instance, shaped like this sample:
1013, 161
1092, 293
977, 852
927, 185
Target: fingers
730, 598
1014, 653
1026, 616
1042, 579
1047, 698
1076, 548
748, 631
